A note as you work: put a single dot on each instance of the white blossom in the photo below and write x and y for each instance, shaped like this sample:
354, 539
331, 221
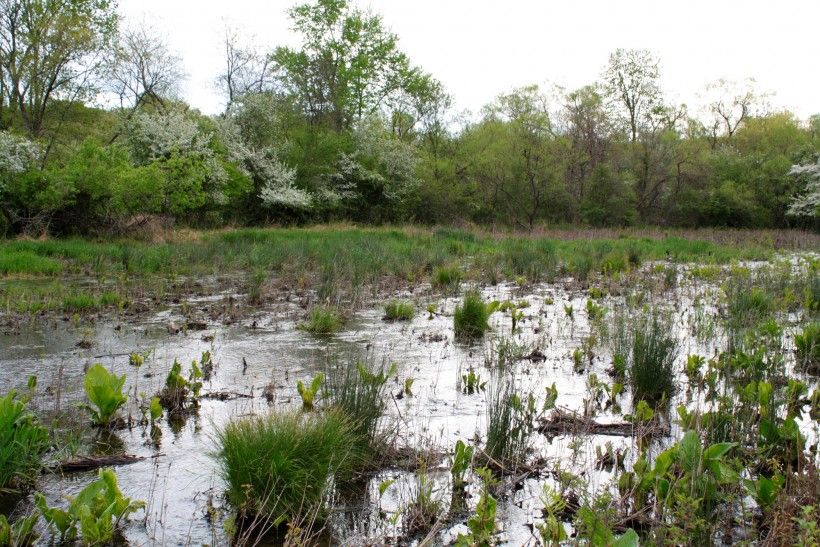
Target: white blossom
806, 203
17, 154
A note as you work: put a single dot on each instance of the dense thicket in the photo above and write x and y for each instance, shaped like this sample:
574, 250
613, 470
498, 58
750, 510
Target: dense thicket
94, 137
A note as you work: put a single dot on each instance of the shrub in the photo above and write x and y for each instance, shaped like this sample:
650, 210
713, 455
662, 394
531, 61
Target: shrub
22, 441
397, 310
651, 370
470, 319
95, 512
323, 320
104, 391
280, 465
807, 348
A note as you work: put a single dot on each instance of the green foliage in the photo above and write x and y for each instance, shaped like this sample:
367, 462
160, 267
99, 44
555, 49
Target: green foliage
279, 465
104, 392
807, 348
598, 534
471, 382
652, 359
462, 459
94, 513
181, 394
358, 390
22, 441
447, 277
308, 394
20, 533
397, 310
323, 320
482, 524
470, 318
510, 421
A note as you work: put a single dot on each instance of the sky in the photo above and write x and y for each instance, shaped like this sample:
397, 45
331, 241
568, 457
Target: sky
481, 48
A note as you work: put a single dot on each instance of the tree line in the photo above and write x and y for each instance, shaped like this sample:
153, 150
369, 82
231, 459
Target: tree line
94, 134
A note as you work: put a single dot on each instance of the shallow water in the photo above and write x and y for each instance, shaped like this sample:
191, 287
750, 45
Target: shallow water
180, 479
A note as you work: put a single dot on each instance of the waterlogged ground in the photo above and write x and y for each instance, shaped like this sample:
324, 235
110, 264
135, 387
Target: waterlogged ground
260, 356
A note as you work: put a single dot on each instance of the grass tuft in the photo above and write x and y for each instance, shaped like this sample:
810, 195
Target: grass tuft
652, 361
398, 310
470, 318
323, 320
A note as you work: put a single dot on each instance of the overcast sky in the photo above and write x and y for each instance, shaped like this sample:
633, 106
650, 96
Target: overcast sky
480, 48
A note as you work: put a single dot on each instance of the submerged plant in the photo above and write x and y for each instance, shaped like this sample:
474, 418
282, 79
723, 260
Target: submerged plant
22, 441
104, 392
470, 318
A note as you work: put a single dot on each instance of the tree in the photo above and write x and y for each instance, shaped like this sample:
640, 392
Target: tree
247, 69
588, 127
729, 104
631, 81
348, 66
49, 49
142, 69
806, 204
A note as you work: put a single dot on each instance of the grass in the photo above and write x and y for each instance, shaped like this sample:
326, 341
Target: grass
27, 262
22, 441
510, 421
470, 318
652, 360
807, 348
399, 310
358, 390
280, 465
323, 320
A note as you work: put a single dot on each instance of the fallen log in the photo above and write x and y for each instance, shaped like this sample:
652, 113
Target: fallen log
88, 463
562, 422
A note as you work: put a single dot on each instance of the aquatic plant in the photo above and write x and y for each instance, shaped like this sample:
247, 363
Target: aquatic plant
180, 393
651, 367
807, 348
308, 393
470, 318
482, 524
323, 320
462, 459
448, 277
104, 392
280, 464
22, 441
20, 533
471, 382
358, 390
510, 421
424, 509
398, 310
92, 515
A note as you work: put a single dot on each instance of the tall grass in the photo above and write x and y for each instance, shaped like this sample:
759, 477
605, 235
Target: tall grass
470, 318
323, 320
652, 360
510, 421
282, 464
358, 390
399, 310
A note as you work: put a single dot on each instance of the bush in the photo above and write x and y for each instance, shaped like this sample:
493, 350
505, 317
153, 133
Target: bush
397, 310
22, 441
280, 465
651, 370
323, 320
470, 319
104, 391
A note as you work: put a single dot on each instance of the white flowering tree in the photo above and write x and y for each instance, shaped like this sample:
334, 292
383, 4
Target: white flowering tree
379, 177
807, 203
252, 136
178, 144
